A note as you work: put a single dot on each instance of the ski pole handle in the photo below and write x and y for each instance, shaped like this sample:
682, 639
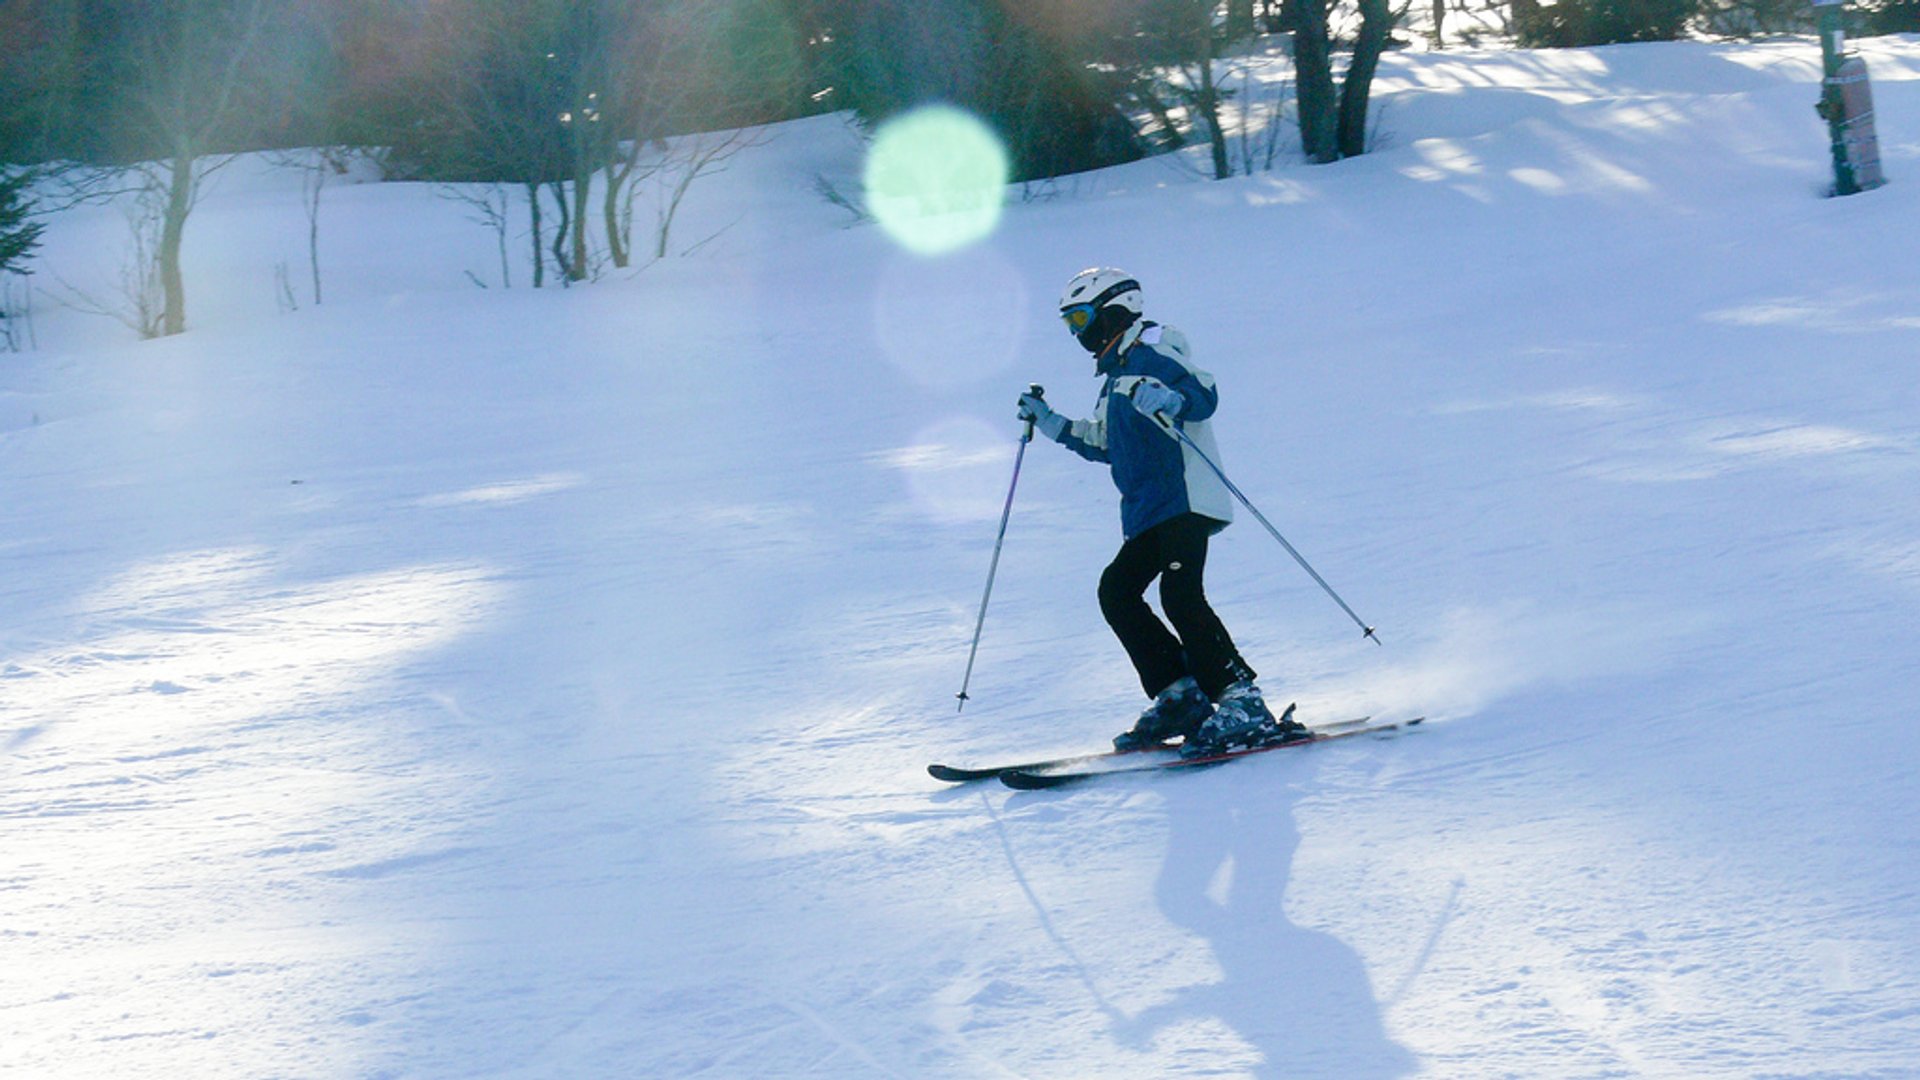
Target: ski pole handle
1038, 391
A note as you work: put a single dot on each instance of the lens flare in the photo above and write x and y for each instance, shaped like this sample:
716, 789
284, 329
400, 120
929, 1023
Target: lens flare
956, 470
936, 178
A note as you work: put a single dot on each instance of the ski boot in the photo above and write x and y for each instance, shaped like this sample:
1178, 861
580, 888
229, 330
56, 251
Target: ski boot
1241, 723
1179, 710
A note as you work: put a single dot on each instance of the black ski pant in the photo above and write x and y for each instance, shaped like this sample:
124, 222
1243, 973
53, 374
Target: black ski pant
1175, 551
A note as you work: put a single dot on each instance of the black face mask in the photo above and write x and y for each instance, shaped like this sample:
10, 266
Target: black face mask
1110, 323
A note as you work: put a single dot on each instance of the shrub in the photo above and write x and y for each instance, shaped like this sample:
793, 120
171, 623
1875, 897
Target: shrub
1577, 23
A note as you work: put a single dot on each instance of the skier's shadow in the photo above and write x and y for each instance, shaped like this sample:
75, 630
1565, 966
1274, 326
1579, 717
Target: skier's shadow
1301, 997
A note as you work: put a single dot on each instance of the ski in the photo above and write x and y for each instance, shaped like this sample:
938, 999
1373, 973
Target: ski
958, 774
1033, 779
1166, 752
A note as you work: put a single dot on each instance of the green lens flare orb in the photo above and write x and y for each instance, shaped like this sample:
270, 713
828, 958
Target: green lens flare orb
936, 179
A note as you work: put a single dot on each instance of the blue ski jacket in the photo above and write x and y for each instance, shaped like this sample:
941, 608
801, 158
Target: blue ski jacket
1159, 476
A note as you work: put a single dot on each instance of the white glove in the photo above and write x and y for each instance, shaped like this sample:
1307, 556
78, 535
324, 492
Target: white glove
1152, 397
1050, 423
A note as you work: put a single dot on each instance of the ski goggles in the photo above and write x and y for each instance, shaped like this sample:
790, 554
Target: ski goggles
1078, 317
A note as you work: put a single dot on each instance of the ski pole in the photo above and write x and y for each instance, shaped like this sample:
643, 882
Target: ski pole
1367, 631
994, 567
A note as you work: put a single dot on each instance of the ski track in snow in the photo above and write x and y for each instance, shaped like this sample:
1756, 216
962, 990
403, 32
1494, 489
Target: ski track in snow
448, 683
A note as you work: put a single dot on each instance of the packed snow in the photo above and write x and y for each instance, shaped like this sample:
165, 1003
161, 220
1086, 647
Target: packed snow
446, 681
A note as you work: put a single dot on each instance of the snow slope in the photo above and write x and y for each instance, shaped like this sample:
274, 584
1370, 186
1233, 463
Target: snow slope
442, 682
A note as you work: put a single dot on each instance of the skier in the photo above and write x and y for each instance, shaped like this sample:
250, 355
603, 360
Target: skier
1170, 504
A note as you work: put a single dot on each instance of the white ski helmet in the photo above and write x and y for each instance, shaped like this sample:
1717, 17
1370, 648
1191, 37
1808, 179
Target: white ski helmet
1094, 289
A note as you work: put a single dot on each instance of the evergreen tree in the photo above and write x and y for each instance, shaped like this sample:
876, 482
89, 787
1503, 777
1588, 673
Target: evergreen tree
18, 236
1580, 23
1892, 16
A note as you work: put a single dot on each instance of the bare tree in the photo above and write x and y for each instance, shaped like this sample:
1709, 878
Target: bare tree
1190, 31
1319, 107
319, 167
585, 104
562, 233
489, 205
1356, 89
687, 159
189, 69
1170, 50
493, 114
139, 300
1261, 109
1333, 117
587, 37
672, 72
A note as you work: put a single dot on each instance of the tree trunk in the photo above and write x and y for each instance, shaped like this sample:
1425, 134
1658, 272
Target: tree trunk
664, 217
1172, 138
500, 234
582, 192
1376, 19
1210, 108
539, 249
619, 245
1313, 82
318, 178
173, 229
560, 231
1204, 98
